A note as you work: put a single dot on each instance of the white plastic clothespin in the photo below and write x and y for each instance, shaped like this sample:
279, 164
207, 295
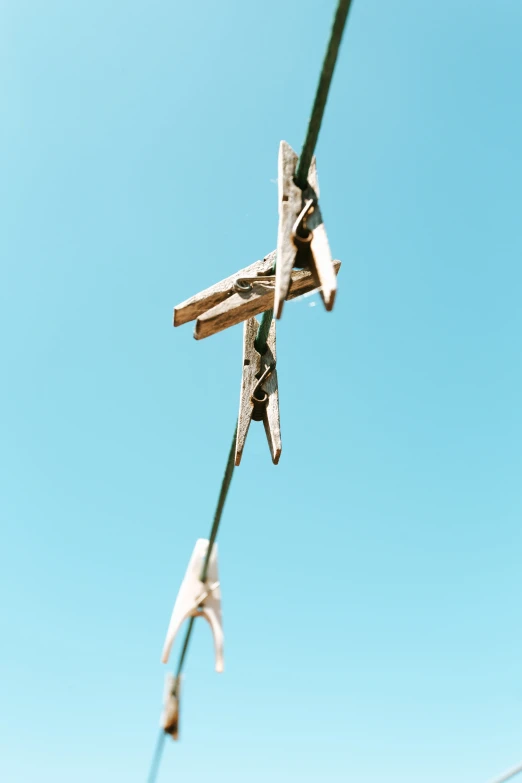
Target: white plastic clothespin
199, 599
301, 237
170, 715
247, 293
259, 399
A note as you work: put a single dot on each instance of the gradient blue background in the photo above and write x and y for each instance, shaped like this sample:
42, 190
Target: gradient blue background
372, 582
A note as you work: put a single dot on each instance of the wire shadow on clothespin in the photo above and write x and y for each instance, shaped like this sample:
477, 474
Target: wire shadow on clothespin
244, 294
170, 716
259, 400
199, 599
301, 237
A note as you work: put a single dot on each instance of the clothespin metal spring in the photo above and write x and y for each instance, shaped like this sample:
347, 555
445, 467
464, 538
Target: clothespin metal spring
300, 233
259, 396
246, 284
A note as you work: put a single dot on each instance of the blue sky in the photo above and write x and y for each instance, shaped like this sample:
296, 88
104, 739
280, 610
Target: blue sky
371, 582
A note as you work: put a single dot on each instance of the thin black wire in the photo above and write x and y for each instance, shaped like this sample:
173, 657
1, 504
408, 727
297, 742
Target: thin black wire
225, 486
314, 126
262, 332
156, 759
325, 80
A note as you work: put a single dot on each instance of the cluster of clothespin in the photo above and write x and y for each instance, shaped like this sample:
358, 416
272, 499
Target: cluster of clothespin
301, 264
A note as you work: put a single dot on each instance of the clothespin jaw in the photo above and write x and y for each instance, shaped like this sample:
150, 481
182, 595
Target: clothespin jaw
243, 295
199, 599
259, 400
170, 715
301, 236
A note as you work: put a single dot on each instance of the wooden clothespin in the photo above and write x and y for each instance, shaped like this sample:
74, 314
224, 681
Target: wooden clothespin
199, 599
259, 399
301, 237
240, 296
170, 716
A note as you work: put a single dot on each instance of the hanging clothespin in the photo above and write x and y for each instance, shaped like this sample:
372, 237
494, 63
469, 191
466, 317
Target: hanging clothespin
301, 236
199, 599
247, 293
259, 399
170, 716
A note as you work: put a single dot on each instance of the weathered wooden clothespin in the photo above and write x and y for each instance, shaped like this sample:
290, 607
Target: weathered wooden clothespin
259, 399
170, 716
240, 296
199, 599
301, 237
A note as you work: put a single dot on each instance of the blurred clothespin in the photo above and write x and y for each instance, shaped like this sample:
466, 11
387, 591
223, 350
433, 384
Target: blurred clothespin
240, 296
170, 716
259, 399
301, 237
199, 599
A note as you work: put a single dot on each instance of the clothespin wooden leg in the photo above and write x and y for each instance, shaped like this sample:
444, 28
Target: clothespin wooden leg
290, 197
319, 246
216, 627
170, 716
259, 398
324, 268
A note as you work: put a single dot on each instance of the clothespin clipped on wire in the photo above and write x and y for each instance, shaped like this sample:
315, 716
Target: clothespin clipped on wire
301, 237
199, 599
170, 716
247, 293
259, 399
